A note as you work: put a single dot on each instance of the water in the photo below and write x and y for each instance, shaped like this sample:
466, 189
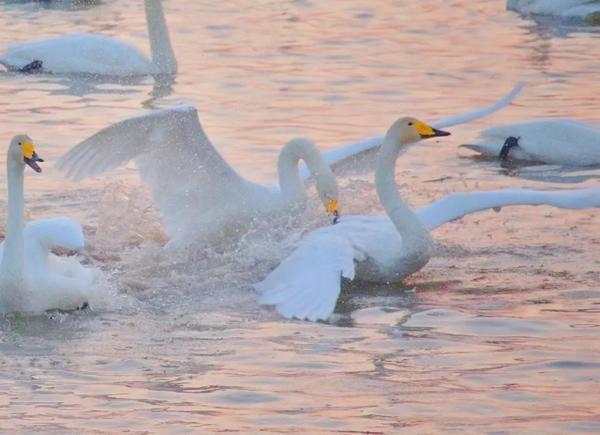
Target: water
497, 334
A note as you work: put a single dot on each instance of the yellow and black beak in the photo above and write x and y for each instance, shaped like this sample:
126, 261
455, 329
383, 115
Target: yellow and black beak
426, 131
333, 208
30, 157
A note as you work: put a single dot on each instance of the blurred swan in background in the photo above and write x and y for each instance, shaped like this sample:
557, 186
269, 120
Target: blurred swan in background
587, 11
33, 280
200, 196
554, 141
388, 248
97, 54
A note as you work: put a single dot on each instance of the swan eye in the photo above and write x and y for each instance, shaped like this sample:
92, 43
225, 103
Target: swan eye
20, 144
410, 123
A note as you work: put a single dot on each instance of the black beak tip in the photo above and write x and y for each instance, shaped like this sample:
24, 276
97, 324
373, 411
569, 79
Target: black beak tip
441, 132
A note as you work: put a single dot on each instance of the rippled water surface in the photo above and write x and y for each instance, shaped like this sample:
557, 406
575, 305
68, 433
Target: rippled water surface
499, 333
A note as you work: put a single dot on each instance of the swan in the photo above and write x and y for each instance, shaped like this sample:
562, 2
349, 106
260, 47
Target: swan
199, 195
553, 141
388, 248
97, 54
587, 11
32, 280
201, 198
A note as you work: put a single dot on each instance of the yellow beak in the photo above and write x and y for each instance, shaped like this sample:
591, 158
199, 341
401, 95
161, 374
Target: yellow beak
28, 150
426, 131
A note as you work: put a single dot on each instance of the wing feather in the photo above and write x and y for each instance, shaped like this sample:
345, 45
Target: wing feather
307, 284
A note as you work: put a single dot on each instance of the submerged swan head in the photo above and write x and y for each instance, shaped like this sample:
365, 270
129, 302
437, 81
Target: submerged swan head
22, 151
409, 130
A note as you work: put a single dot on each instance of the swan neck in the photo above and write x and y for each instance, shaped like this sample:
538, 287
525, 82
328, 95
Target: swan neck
291, 184
163, 57
404, 219
13, 256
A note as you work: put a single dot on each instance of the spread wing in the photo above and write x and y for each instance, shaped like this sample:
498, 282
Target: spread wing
457, 205
360, 156
190, 181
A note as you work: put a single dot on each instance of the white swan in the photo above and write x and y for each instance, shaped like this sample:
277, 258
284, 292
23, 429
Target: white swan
32, 279
554, 141
306, 285
581, 10
97, 54
199, 195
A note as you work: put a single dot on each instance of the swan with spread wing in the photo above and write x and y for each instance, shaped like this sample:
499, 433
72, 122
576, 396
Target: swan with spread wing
387, 248
200, 196
32, 279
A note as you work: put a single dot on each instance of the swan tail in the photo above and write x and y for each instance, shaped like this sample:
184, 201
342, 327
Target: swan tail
457, 205
307, 284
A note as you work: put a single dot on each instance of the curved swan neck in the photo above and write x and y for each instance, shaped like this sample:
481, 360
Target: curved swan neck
413, 233
13, 256
291, 185
163, 57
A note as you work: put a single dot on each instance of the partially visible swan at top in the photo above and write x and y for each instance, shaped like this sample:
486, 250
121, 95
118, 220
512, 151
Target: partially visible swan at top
387, 248
587, 11
553, 141
199, 195
97, 54
32, 280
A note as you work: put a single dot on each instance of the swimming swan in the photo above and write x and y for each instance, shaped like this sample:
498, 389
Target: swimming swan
33, 280
200, 196
198, 193
387, 248
97, 54
553, 141
587, 11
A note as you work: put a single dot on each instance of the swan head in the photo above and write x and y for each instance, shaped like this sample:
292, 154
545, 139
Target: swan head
22, 151
409, 130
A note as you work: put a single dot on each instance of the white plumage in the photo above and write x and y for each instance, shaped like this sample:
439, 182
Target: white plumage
98, 54
200, 196
32, 279
554, 141
385, 248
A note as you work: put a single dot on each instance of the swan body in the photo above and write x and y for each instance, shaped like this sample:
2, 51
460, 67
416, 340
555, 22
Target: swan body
32, 279
199, 195
553, 141
383, 248
97, 54
581, 10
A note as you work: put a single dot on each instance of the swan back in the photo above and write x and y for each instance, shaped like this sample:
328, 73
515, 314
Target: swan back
555, 141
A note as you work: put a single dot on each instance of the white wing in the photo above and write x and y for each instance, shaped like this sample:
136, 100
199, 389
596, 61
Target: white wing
79, 53
191, 183
361, 155
306, 285
554, 141
457, 205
